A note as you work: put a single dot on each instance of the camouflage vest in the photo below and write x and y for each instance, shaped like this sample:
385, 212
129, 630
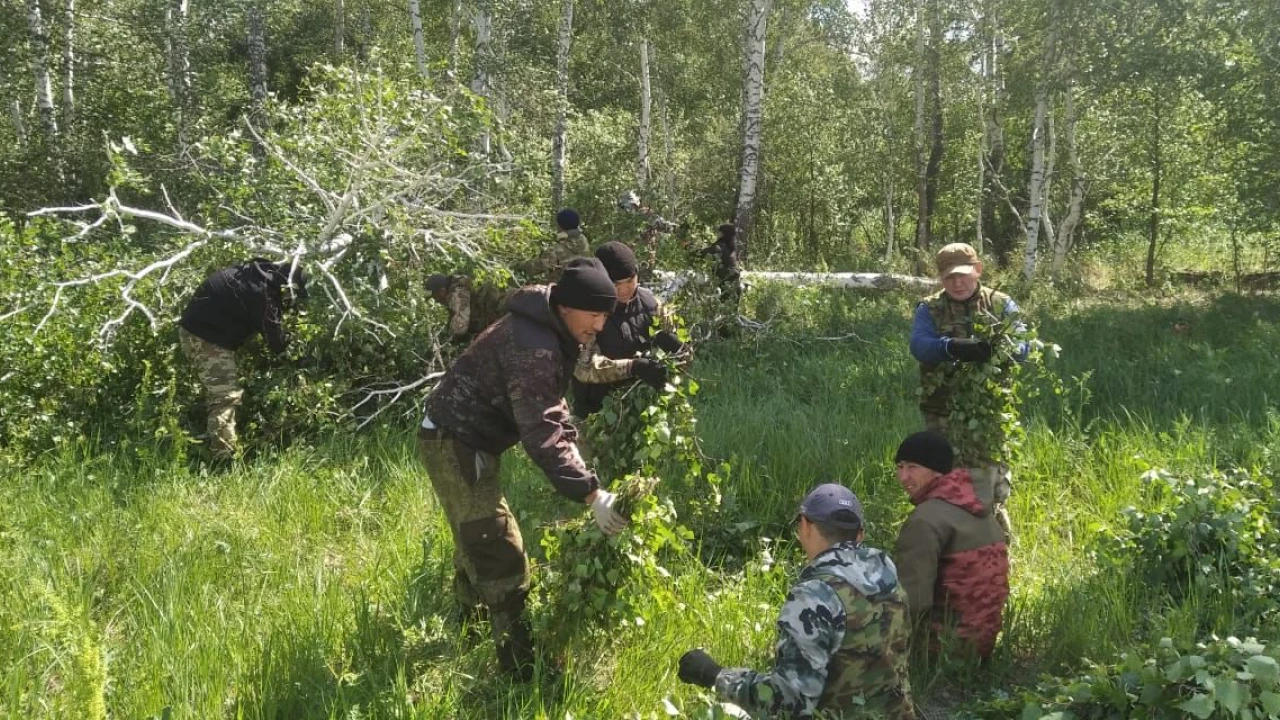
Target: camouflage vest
488, 303
871, 663
954, 319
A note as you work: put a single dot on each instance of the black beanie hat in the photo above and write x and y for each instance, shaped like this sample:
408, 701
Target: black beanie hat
618, 259
927, 449
568, 219
437, 283
585, 285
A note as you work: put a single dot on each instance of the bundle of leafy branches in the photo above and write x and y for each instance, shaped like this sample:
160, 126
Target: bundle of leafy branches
1231, 678
985, 397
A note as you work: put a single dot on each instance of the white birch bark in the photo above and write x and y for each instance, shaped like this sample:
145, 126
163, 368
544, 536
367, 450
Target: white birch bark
917, 131
419, 44
1035, 186
480, 83
455, 37
40, 70
890, 223
179, 65
669, 154
1075, 205
1046, 221
69, 66
257, 57
19, 128
646, 108
339, 28
564, 46
752, 121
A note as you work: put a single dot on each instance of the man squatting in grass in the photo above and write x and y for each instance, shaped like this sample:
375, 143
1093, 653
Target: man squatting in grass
843, 632
951, 552
232, 305
626, 333
941, 335
508, 386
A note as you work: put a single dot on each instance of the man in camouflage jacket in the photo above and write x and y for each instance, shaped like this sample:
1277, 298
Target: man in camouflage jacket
473, 306
508, 387
569, 243
951, 552
843, 633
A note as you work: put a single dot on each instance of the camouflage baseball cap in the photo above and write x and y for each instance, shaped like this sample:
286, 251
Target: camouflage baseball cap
957, 258
833, 504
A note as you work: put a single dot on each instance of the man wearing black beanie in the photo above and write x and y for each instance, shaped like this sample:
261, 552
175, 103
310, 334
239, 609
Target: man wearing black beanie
951, 553
508, 387
569, 242
625, 336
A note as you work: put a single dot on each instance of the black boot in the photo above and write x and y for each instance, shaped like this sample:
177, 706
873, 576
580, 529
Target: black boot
512, 638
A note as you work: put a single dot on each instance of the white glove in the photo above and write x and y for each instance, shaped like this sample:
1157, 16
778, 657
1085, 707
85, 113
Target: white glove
609, 521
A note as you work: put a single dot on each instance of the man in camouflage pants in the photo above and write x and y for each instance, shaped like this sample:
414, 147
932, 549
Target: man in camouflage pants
473, 306
508, 387
229, 307
951, 552
843, 633
569, 243
941, 337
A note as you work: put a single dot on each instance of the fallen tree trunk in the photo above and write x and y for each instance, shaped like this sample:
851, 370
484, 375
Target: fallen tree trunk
668, 281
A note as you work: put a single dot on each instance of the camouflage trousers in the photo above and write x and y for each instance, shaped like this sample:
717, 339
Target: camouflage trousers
490, 566
994, 480
216, 367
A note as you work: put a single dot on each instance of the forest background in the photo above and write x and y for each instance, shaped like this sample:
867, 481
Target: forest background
1102, 155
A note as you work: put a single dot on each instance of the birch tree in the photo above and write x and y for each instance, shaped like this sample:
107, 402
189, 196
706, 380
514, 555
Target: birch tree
752, 121
69, 66
1036, 183
455, 37
646, 108
257, 35
929, 149
40, 70
179, 66
481, 83
419, 44
19, 128
339, 28
1075, 204
564, 46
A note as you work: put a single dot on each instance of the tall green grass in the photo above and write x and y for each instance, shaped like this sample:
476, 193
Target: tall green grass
313, 582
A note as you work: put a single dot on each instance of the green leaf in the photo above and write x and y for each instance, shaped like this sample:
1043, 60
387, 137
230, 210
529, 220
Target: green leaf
1231, 694
1200, 705
1265, 669
1270, 703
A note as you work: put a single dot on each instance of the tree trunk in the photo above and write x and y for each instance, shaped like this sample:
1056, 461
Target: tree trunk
19, 128
40, 70
1157, 176
339, 28
419, 44
995, 217
564, 46
480, 84
1036, 184
780, 47
929, 58
669, 153
1075, 206
752, 122
1050, 234
667, 282
179, 66
646, 106
455, 37
890, 224
257, 57
69, 68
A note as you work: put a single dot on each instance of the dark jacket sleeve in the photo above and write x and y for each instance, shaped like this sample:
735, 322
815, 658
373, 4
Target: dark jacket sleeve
920, 546
271, 314
542, 419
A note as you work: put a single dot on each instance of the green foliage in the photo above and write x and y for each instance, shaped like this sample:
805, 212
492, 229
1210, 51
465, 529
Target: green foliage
1215, 532
1226, 679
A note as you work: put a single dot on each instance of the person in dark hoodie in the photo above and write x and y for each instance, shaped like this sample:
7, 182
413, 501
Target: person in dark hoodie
728, 272
951, 552
843, 633
627, 334
231, 306
508, 387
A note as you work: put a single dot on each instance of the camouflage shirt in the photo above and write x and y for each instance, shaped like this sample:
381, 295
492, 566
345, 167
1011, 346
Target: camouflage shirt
508, 386
472, 306
843, 637
567, 245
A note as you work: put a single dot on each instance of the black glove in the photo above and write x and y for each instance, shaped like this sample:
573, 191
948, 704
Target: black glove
650, 372
668, 342
698, 668
969, 349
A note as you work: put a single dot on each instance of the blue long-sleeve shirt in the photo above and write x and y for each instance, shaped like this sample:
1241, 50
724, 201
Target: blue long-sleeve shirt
931, 347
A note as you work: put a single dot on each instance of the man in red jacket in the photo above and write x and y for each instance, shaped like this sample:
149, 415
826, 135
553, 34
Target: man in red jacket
951, 553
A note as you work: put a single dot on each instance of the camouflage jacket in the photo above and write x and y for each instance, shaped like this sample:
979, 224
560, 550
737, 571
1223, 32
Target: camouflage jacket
954, 562
842, 650
508, 386
472, 306
567, 245
626, 335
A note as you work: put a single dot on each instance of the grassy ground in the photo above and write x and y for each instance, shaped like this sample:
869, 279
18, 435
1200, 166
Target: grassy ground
313, 583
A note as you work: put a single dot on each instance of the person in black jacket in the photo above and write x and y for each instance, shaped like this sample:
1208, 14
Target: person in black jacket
627, 334
231, 306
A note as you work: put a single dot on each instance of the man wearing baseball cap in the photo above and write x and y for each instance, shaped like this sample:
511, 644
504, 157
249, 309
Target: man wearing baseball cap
508, 387
942, 336
951, 552
843, 633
